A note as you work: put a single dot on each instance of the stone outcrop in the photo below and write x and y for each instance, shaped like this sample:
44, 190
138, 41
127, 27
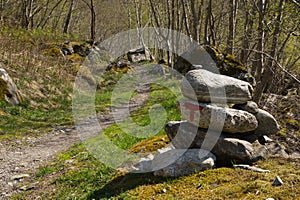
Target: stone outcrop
212, 59
139, 54
204, 86
8, 89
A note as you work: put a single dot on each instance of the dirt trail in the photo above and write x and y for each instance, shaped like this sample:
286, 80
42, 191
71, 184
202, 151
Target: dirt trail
22, 158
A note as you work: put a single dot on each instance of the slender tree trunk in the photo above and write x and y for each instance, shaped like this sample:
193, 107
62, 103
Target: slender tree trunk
268, 71
208, 24
93, 21
69, 17
259, 58
232, 22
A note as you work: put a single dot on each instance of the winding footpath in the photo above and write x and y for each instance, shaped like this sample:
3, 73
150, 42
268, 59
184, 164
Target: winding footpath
20, 159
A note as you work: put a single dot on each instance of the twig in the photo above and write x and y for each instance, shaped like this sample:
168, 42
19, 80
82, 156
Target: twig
277, 63
255, 169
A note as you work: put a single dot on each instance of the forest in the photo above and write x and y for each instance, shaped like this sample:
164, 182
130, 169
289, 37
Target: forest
70, 127
262, 34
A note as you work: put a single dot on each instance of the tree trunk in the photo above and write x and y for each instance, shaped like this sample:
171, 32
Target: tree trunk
232, 22
93, 21
269, 70
68, 18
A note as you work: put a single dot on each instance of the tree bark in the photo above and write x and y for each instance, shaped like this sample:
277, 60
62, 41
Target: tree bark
69, 17
268, 71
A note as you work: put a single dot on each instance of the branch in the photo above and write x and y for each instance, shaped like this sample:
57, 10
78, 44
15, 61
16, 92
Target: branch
295, 2
277, 63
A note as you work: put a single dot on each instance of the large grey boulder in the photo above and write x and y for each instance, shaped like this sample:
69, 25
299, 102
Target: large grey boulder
267, 124
183, 135
8, 89
139, 54
200, 114
183, 162
204, 86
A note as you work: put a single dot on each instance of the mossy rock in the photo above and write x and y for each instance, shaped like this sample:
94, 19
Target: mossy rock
214, 60
4, 91
120, 67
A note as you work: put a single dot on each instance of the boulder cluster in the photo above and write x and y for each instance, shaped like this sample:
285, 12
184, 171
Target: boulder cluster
221, 126
220, 118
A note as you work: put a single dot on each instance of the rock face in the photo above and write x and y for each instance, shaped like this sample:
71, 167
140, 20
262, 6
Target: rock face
189, 162
139, 54
205, 86
235, 121
8, 89
267, 123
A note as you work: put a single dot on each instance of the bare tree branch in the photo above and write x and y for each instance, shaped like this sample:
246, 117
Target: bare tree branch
277, 64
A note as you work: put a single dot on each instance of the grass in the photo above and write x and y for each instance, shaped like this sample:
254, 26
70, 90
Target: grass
45, 82
77, 174
87, 178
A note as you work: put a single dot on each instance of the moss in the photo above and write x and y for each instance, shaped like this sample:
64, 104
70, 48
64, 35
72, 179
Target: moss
227, 63
53, 51
75, 57
151, 144
228, 183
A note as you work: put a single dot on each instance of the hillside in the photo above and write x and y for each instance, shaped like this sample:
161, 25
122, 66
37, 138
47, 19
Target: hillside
44, 122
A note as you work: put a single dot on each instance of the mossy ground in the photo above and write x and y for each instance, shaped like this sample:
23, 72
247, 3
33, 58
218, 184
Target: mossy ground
76, 174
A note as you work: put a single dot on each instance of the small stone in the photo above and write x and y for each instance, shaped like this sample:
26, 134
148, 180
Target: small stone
250, 107
267, 124
11, 184
270, 199
20, 176
69, 161
277, 181
164, 190
265, 139
181, 162
27, 188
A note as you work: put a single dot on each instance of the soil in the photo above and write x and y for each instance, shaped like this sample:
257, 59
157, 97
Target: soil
20, 159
